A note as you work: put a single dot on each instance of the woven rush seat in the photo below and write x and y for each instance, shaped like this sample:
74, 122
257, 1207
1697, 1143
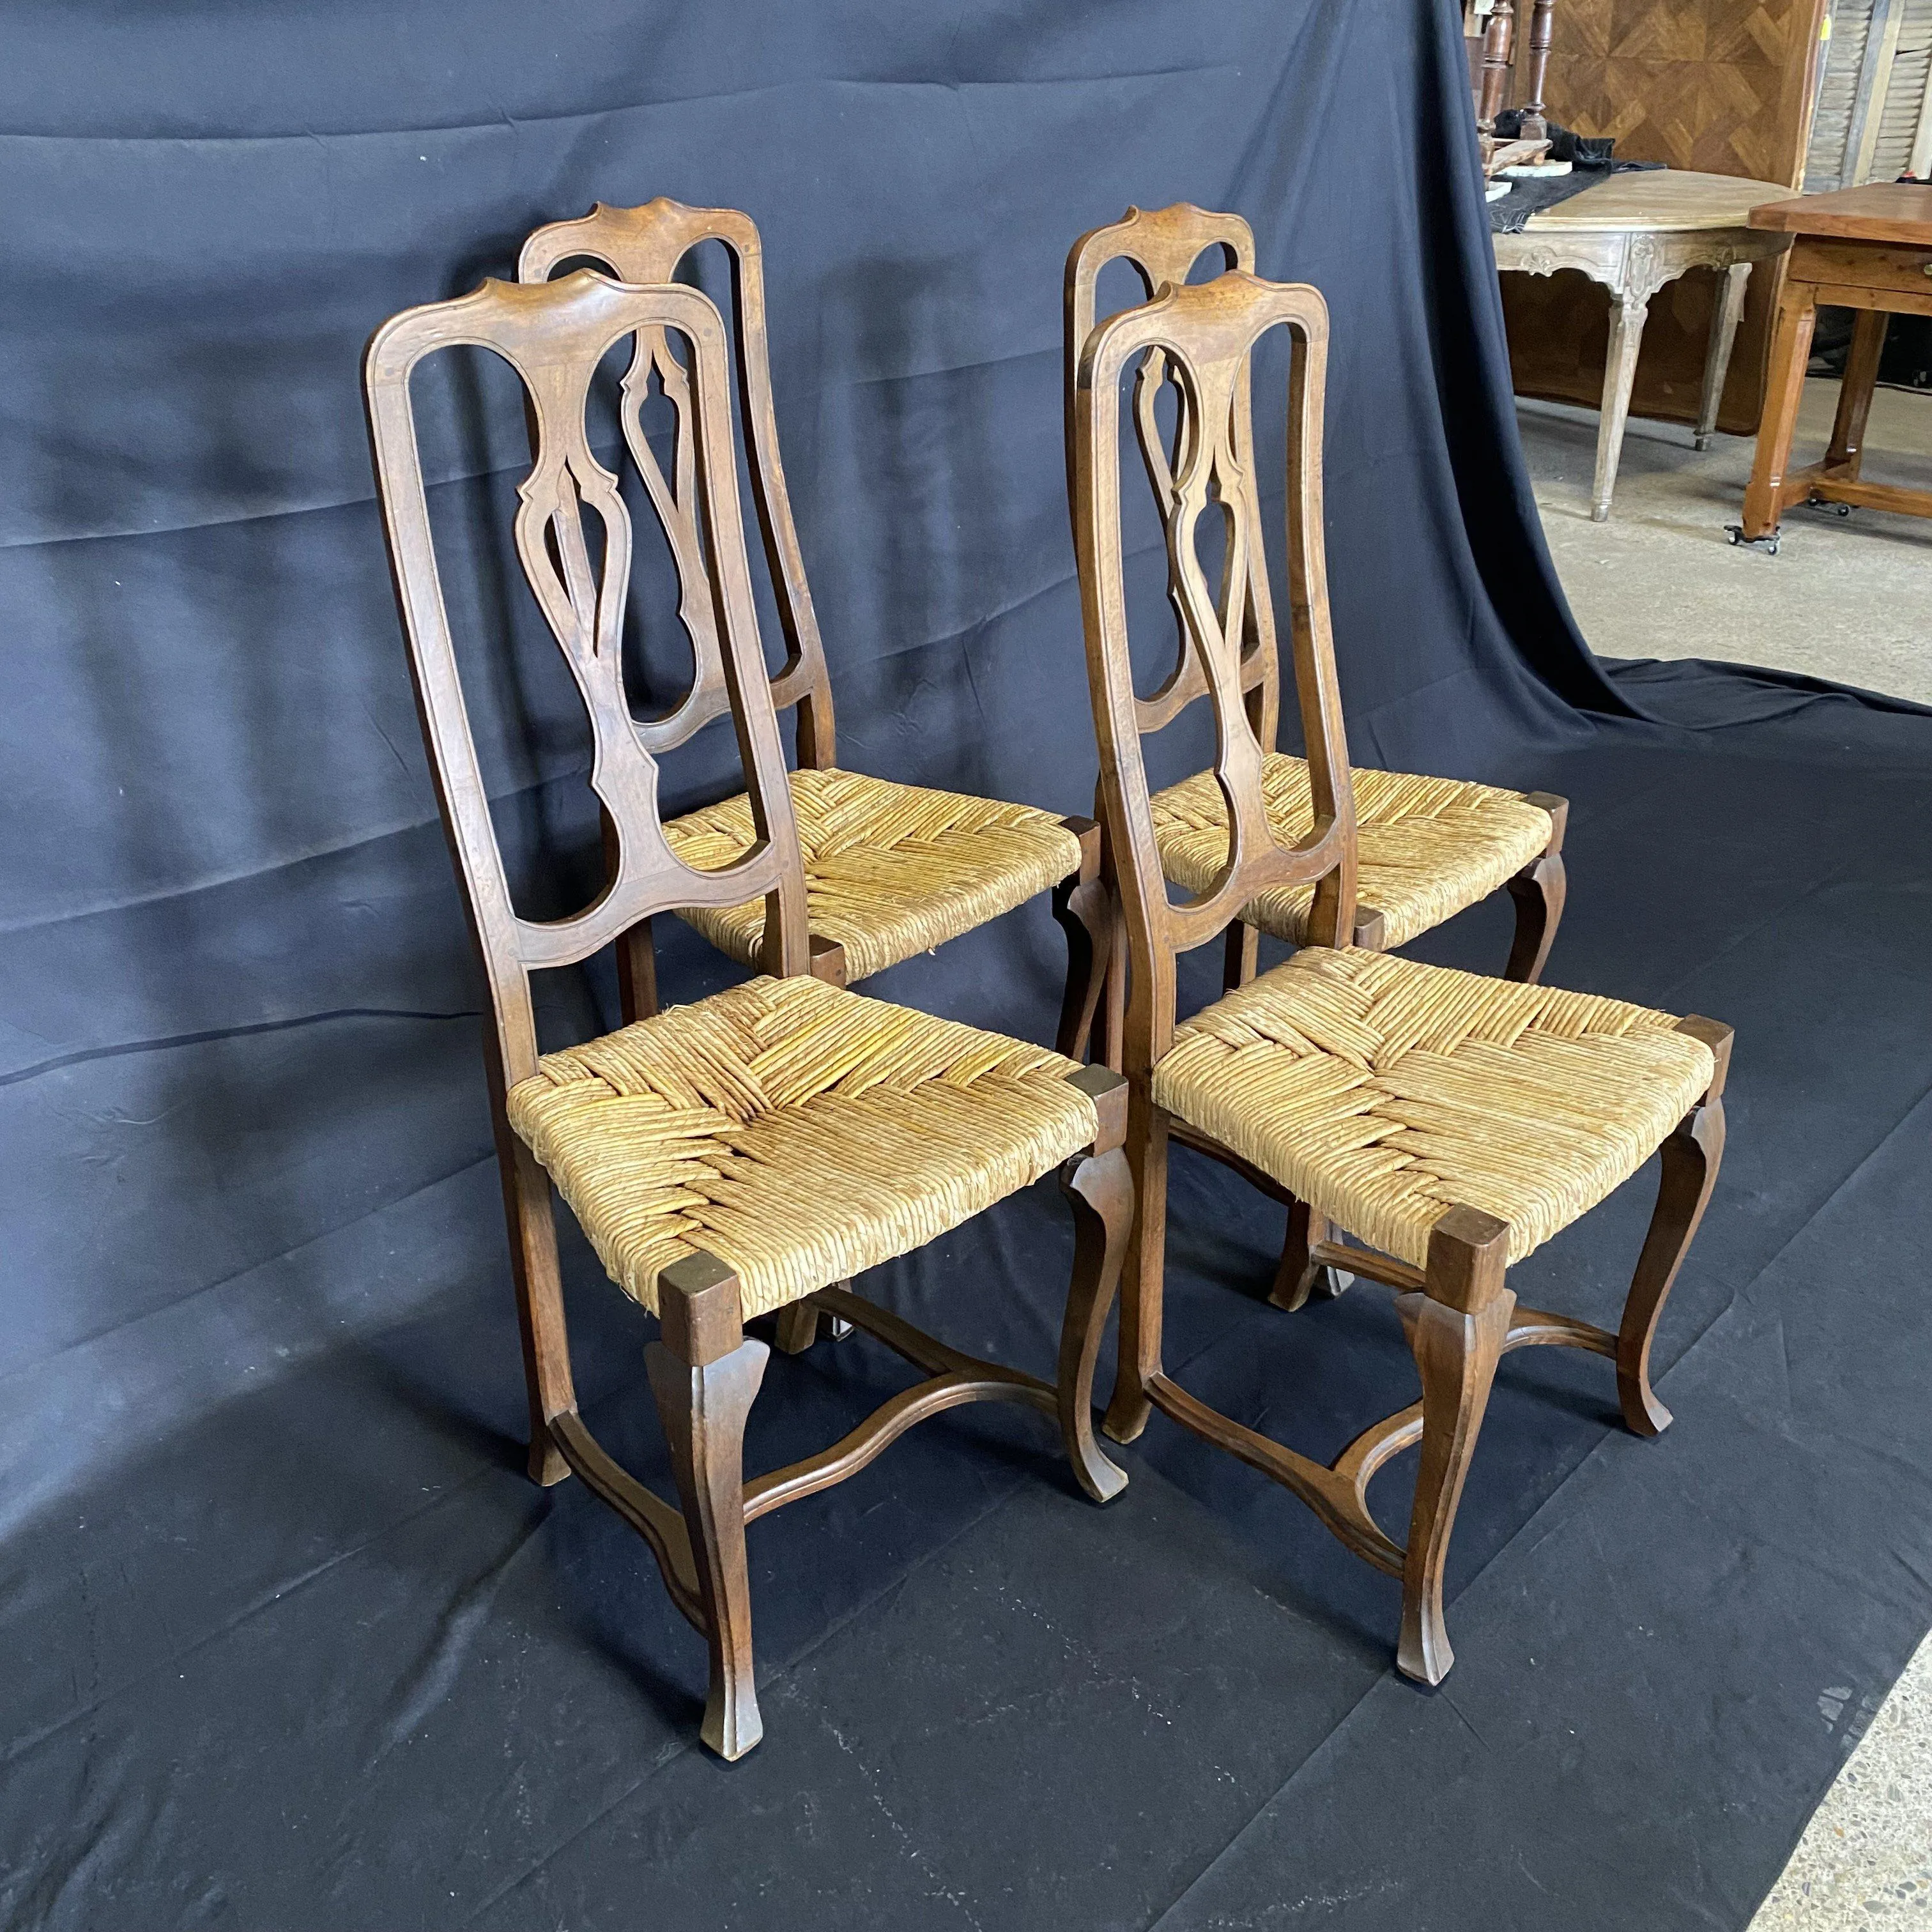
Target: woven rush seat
1426, 848
798, 1132
890, 870
1381, 1091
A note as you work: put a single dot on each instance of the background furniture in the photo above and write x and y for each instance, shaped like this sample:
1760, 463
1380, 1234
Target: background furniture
739, 1156
1635, 234
1864, 248
1490, 41
1724, 87
1451, 1123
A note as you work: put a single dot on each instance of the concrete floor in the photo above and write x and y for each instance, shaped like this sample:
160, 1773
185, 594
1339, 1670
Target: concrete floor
1845, 598
1848, 599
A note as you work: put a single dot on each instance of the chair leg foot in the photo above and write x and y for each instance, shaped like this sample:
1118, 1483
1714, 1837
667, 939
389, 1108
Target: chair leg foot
797, 1328
1456, 1329
1539, 891
1691, 1157
1297, 1277
546, 1465
702, 1405
1100, 1190
1127, 1415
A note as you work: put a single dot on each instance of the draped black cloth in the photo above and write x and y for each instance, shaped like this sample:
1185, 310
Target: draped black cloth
290, 1641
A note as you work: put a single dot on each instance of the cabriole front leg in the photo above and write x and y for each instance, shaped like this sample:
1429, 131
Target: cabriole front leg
1456, 1326
704, 1376
1099, 1188
1690, 1158
1539, 891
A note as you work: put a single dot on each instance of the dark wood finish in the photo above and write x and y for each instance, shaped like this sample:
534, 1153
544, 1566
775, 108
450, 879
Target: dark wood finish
1542, 33
1868, 249
1690, 1160
1457, 1311
1539, 891
704, 1372
1100, 1191
704, 1376
1084, 908
635, 953
1457, 1326
647, 244
1163, 248
661, 1526
1498, 51
1303, 1270
553, 337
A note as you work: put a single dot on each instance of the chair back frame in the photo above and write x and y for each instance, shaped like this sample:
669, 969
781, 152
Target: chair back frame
644, 245
1205, 336
1162, 246
553, 335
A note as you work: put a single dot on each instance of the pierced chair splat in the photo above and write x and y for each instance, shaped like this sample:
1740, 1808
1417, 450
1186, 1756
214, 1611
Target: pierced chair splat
743, 1156
1448, 1122
891, 870
1428, 847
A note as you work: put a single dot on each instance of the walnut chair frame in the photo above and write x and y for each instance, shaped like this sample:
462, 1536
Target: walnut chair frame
645, 244
1458, 1315
704, 1371
1162, 246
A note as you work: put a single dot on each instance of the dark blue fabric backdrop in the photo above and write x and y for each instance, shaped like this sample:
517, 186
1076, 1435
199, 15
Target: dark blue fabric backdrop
225, 822
289, 1641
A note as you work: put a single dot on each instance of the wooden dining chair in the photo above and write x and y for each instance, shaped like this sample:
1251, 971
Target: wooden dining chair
1433, 1126
729, 1158
891, 870
1428, 847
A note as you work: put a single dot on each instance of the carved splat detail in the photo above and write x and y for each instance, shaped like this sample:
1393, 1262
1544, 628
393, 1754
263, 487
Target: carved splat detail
553, 335
1206, 336
645, 245
1163, 247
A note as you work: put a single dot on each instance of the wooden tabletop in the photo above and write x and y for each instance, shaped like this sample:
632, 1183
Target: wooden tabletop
1660, 201
1897, 211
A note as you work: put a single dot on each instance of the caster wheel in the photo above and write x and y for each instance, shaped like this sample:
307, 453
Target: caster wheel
1768, 544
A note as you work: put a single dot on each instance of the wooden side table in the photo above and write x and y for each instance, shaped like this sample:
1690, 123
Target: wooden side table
1864, 248
1634, 233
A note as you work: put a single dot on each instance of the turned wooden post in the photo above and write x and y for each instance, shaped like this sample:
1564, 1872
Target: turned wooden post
1498, 43
1535, 127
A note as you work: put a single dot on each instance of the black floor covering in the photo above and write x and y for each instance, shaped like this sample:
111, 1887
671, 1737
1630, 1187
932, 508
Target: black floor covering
320, 1657
286, 1640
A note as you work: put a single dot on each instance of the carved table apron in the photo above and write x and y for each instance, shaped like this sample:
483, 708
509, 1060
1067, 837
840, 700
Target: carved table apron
1634, 233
